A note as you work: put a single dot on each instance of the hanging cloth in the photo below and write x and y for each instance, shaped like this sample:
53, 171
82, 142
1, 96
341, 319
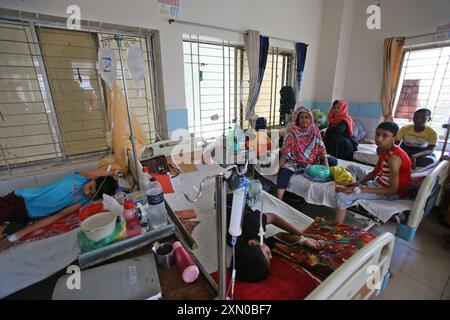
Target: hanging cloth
392, 60
257, 48
120, 129
301, 49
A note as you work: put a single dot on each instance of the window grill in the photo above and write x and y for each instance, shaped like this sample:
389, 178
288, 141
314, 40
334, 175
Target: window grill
217, 84
52, 99
425, 83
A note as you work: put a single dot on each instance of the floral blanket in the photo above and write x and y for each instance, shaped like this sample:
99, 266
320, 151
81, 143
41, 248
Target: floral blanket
341, 243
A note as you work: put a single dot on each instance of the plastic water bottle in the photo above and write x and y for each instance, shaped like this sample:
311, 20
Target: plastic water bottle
240, 137
143, 176
120, 196
132, 221
187, 267
155, 199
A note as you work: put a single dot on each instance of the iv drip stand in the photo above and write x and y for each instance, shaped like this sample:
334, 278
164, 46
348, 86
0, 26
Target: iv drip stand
221, 210
119, 40
221, 223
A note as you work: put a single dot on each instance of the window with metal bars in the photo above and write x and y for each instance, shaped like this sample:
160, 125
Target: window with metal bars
425, 83
217, 84
52, 99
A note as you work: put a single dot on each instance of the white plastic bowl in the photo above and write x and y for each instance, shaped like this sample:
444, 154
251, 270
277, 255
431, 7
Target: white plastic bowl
98, 226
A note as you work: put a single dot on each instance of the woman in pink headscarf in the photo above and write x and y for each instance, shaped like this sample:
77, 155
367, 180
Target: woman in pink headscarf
302, 146
339, 139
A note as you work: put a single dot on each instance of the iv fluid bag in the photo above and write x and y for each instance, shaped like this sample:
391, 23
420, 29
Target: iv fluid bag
236, 212
136, 64
107, 65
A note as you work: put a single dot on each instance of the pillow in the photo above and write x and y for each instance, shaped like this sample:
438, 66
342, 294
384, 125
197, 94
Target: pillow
341, 243
358, 131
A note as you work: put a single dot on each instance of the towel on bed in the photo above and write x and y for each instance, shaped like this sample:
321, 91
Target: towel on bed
342, 242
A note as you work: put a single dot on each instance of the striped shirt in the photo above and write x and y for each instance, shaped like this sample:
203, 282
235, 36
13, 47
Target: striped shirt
383, 172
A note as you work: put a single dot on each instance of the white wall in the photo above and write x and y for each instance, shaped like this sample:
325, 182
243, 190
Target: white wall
363, 71
351, 55
328, 50
344, 48
298, 20
398, 18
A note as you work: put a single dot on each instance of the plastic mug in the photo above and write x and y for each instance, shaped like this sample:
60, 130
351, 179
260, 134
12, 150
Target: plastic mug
164, 254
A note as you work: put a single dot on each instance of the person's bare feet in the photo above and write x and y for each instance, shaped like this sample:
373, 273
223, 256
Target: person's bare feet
314, 244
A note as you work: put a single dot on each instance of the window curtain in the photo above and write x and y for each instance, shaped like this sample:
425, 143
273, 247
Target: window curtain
257, 48
301, 49
392, 59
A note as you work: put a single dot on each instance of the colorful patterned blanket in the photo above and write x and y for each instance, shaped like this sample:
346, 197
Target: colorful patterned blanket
341, 243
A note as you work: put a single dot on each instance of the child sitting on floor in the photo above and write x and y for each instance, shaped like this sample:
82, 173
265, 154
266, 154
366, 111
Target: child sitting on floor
389, 180
49, 203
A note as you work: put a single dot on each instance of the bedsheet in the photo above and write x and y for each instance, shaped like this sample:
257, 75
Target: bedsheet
325, 194
31, 262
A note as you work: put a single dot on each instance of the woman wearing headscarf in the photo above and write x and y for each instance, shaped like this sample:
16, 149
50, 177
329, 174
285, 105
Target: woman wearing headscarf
302, 146
339, 139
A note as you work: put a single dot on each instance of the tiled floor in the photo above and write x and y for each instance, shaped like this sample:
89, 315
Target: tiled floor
420, 268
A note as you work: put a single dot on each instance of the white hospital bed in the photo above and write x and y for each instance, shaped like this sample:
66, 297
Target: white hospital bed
347, 282
383, 210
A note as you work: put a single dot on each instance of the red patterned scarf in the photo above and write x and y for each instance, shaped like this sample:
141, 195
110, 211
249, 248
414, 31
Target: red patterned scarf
342, 116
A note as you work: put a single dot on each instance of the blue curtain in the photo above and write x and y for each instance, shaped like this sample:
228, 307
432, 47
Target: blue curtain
263, 51
257, 47
301, 49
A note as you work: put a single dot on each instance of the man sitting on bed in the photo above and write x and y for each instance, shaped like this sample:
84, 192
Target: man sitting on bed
49, 203
419, 140
389, 180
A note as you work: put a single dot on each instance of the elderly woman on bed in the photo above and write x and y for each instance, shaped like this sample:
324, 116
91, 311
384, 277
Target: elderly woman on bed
302, 146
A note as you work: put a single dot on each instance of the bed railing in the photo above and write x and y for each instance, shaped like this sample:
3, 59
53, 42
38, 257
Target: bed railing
362, 275
439, 173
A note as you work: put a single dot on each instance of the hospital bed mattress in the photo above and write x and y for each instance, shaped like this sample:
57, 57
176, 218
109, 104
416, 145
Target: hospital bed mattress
429, 194
320, 193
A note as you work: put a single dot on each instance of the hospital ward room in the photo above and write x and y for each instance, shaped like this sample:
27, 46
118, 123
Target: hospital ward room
225, 150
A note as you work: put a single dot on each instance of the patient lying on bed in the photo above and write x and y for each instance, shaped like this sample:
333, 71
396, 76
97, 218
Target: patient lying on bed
49, 203
252, 260
389, 180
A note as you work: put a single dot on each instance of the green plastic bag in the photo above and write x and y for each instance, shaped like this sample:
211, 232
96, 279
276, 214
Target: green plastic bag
318, 171
85, 244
